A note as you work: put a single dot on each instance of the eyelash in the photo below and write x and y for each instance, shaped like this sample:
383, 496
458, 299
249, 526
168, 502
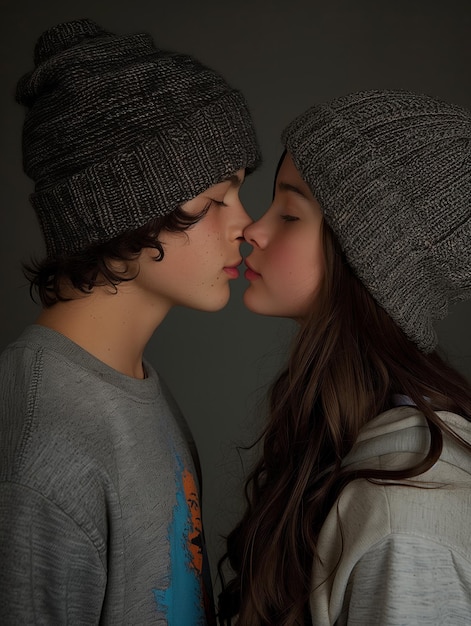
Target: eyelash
216, 202
289, 218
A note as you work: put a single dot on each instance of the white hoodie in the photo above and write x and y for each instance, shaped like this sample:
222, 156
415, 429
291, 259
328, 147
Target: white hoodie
399, 555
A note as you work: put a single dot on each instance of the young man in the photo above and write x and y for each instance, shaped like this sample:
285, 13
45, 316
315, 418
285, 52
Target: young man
137, 156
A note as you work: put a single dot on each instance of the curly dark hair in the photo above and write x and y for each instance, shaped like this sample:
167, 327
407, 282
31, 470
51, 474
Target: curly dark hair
92, 266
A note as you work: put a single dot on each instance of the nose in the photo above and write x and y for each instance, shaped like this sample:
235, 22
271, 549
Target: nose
254, 234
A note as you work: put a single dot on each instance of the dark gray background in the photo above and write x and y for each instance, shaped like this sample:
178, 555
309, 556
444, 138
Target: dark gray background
284, 56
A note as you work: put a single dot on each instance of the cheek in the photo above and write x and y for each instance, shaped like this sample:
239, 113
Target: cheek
297, 258
298, 268
206, 236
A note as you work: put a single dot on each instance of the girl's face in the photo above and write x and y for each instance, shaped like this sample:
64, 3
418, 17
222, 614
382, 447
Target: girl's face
286, 265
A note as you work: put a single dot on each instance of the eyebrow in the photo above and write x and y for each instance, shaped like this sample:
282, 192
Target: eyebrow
288, 187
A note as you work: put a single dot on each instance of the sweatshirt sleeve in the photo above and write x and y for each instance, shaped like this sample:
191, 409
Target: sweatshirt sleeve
406, 579
51, 573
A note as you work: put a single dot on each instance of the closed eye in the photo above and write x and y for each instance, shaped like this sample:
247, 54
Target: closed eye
213, 202
289, 218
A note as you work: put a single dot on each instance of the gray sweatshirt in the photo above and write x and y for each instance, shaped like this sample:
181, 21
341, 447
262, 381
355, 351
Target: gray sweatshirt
99, 500
399, 555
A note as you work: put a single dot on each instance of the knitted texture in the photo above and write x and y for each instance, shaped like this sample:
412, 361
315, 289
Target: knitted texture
119, 132
392, 172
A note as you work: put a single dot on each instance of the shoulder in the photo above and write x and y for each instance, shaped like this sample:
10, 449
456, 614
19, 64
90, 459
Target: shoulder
54, 440
435, 505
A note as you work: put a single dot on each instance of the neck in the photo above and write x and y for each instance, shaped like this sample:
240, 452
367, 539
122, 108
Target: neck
113, 327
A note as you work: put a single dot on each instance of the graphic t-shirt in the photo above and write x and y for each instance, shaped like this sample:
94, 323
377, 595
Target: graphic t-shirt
100, 518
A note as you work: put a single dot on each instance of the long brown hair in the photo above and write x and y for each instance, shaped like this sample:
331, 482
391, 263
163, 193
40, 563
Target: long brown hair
348, 359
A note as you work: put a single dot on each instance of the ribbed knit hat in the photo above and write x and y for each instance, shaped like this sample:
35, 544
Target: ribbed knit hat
392, 172
119, 132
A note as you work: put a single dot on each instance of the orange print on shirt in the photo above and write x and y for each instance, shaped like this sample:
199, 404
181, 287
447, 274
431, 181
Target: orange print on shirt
195, 540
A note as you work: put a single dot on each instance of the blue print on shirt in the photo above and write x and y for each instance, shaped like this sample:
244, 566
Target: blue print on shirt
181, 601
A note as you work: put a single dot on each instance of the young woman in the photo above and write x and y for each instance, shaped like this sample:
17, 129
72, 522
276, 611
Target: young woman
358, 509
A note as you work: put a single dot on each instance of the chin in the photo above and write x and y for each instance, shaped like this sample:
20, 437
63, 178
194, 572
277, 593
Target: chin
211, 305
216, 307
263, 309
251, 304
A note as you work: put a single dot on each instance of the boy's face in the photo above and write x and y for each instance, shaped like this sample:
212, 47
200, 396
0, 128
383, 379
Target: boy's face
199, 262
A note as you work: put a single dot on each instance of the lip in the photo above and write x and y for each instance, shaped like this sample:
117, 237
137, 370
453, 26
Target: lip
250, 273
232, 270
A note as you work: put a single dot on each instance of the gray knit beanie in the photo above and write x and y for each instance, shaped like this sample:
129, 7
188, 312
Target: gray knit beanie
392, 172
119, 132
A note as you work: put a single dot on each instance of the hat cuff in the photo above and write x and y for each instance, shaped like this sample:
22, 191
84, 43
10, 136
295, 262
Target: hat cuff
150, 179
